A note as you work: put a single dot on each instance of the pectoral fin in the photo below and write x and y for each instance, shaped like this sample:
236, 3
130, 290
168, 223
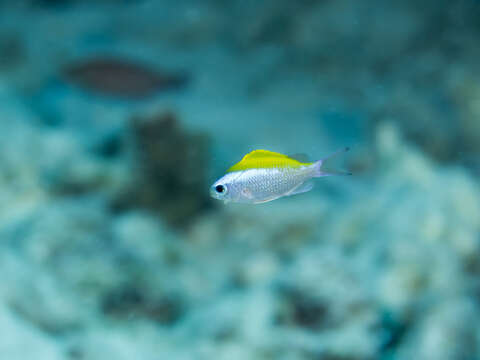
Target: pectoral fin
303, 187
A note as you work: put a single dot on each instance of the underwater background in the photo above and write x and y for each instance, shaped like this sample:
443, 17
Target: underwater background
117, 116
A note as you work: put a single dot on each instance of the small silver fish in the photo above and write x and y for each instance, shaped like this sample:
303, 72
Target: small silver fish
263, 176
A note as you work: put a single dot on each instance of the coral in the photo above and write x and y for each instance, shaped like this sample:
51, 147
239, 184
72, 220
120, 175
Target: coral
18, 333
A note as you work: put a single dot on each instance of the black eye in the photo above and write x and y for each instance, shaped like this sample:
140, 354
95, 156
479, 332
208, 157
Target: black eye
220, 188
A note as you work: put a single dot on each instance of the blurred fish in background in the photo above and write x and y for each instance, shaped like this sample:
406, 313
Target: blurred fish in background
117, 116
121, 78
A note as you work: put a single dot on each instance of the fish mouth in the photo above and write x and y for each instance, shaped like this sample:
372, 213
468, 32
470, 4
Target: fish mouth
214, 194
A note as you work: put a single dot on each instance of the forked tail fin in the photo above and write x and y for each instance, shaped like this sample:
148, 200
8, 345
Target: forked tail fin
318, 165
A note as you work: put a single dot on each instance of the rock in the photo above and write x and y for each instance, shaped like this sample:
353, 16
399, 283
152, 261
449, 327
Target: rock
169, 167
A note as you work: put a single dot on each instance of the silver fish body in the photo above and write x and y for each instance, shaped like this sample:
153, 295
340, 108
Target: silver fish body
262, 185
264, 175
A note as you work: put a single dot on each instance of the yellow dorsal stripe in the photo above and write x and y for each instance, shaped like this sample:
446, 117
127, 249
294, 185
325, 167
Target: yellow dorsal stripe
262, 154
263, 159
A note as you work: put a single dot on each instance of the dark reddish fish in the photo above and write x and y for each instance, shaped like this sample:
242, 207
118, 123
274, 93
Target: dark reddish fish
122, 78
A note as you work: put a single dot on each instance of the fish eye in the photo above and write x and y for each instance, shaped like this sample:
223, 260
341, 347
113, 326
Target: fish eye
220, 189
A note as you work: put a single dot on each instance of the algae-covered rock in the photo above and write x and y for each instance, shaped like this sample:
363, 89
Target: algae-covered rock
169, 169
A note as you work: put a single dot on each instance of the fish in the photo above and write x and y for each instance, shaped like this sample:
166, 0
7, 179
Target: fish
262, 176
122, 78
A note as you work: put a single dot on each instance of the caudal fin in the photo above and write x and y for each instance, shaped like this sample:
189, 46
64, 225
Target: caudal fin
319, 172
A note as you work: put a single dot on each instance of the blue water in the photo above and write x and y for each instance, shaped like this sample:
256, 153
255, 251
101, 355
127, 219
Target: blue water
117, 116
